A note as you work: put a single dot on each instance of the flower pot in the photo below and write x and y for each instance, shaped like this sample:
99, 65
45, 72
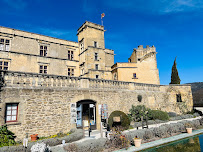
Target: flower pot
137, 142
34, 137
189, 130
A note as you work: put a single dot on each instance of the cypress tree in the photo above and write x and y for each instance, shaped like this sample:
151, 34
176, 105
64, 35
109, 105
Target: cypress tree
175, 79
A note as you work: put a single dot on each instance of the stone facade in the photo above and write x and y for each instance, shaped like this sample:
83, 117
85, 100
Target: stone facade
141, 68
43, 76
44, 100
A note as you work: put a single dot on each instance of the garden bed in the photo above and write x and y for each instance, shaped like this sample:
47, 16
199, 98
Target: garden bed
75, 134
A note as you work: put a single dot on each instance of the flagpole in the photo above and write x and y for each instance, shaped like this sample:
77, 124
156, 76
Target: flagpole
102, 22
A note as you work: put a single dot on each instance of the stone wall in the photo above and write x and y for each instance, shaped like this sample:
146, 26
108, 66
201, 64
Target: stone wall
44, 106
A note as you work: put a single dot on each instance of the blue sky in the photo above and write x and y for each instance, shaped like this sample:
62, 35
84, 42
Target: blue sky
174, 27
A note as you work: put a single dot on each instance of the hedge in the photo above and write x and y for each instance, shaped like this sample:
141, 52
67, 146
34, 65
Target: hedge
158, 114
125, 122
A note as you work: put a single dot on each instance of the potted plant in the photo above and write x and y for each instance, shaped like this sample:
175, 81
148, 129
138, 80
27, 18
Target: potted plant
137, 141
188, 127
33, 137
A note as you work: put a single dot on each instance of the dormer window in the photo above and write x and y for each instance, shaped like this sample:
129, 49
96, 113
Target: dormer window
95, 44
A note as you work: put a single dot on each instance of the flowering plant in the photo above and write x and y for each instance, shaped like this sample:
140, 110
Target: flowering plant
40, 147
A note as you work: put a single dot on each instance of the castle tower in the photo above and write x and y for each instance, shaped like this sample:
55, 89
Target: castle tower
94, 60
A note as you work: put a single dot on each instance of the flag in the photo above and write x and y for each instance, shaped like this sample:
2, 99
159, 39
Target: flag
102, 15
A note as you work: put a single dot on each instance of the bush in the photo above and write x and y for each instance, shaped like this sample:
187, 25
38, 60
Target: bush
172, 114
78, 134
125, 122
149, 134
175, 118
196, 114
201, 121
151, 122
160, 131
7, 137
137, 124
157, 121
91, 145
187, 116
138, 111
158, 114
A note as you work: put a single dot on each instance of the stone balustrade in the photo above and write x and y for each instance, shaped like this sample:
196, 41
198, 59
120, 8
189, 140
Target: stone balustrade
21, 79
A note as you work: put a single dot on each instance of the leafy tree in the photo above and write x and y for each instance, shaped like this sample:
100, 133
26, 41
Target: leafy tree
174, 74
137, 112
6, 137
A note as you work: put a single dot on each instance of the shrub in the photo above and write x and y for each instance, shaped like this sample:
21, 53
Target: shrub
91, 145
187, 116
42, 147
201, 121
196, 114
6, 137
195, 123
148, 134
151, 122
125, 122
70, 147
175, 118
172, 114
137, 112
158, 114
137, 124
157, 121
160, 131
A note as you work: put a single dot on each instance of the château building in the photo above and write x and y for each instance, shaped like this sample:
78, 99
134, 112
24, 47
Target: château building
49, 85
29, 52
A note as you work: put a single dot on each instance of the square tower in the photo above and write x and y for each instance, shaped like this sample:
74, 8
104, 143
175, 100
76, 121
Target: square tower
93, 57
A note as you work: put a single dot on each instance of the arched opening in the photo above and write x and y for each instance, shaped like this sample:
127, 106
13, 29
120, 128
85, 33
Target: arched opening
86, 114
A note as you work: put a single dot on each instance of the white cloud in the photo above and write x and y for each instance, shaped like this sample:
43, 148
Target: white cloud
58, 33
173, 6
156, 6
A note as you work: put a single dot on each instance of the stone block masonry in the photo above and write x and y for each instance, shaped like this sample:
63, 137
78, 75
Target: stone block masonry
44, 100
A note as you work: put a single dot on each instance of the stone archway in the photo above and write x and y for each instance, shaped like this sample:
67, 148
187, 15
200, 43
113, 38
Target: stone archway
86, 114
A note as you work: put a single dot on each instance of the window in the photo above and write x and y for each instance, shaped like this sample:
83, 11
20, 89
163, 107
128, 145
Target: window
96, 66
129, 60
82, 47
43, 69
134, 75
43, 50
3, 65
139, 98
95, 44
115, 77
178, 98
11, 112
4, 44
96, 56
97, 76
70, 55
70, 72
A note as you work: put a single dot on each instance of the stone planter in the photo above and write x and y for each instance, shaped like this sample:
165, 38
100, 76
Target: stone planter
137, 142
34, 137
189, 130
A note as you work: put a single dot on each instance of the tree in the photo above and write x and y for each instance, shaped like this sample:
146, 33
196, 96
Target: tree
175, 79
